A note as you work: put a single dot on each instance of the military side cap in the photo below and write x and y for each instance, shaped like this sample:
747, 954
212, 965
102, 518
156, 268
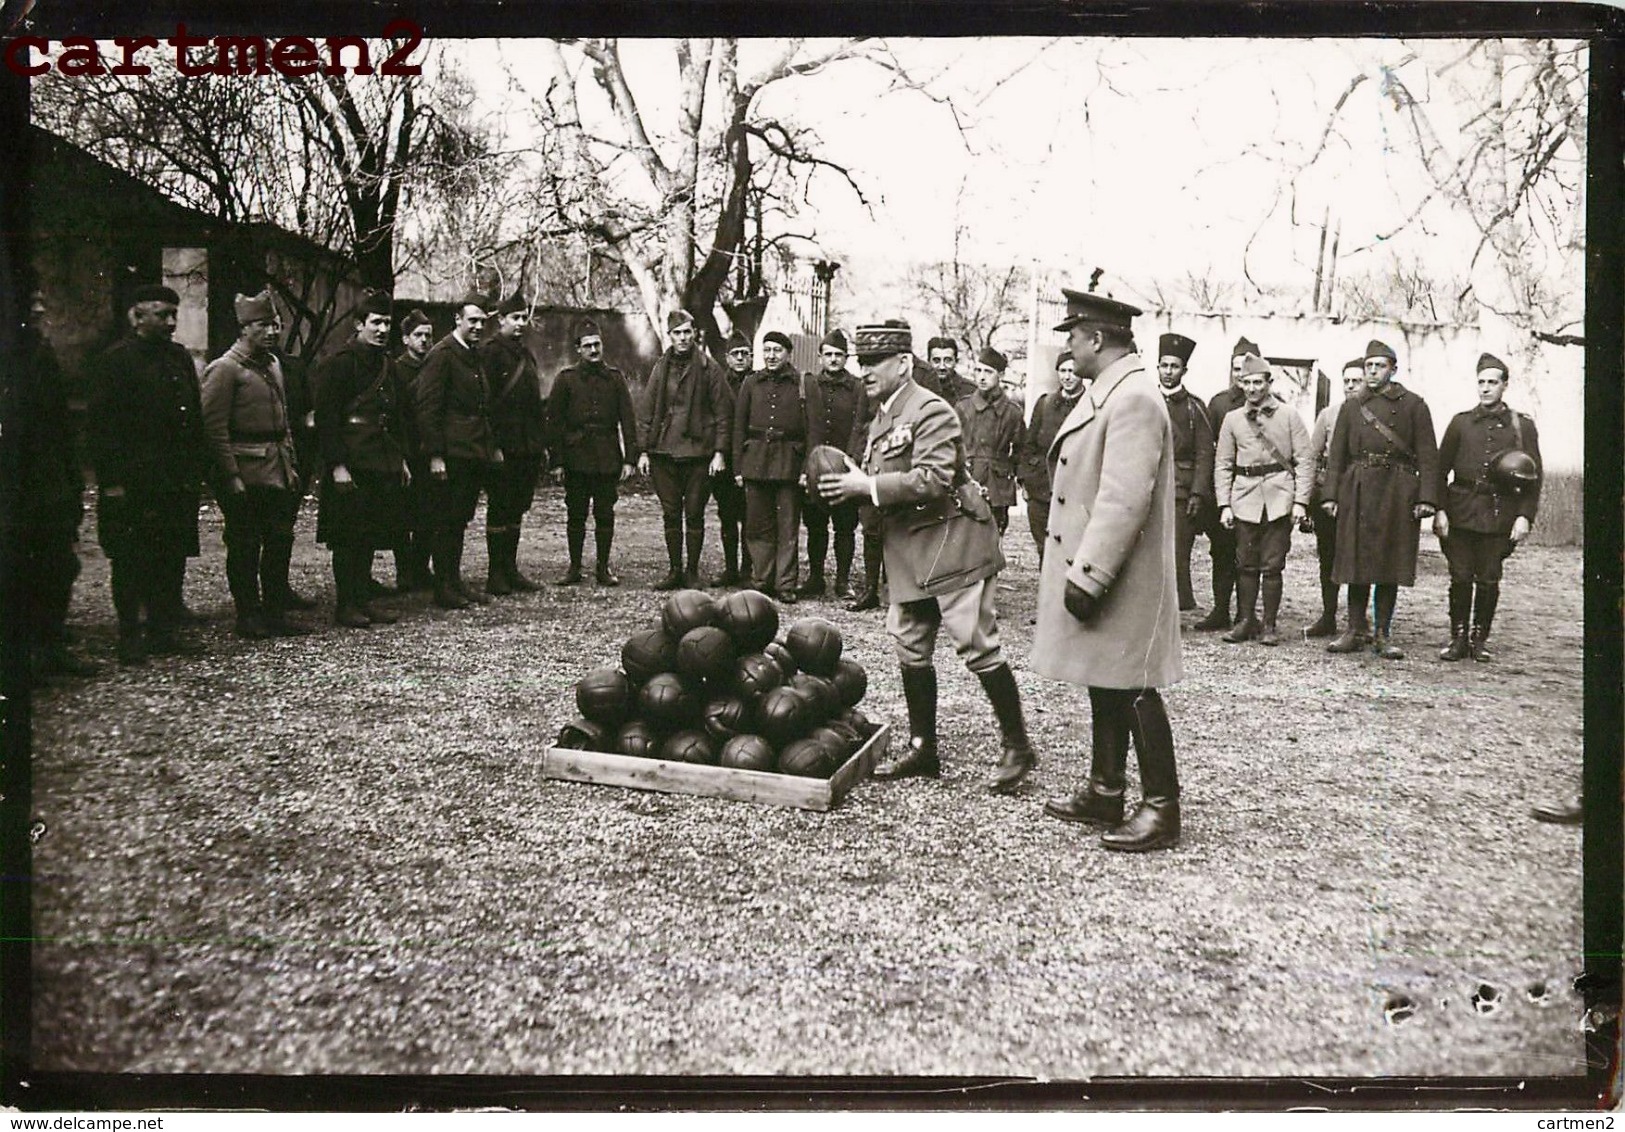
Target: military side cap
991, 357
586, 328
1096, 310
884, 339
1376, 349
414, 320
942, 343
779, 337
1252, 363
374, 302
1243, 347
737, 341
154, 293
677, 319
1175, 346
513, 304
255, 308
836, 339
1354, 363
1490, 361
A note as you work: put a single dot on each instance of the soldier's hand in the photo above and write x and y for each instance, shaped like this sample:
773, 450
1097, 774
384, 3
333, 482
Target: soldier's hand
854, 483
1423, 511
1520, 529
1227, 518
1300, 514
643, 464
718, 464
1193, 506
236, 486
626, 472
1081, 603
342, 480
1330, 507
437, 467
1441, 524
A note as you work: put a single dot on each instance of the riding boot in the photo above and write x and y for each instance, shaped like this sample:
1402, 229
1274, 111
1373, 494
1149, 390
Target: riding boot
1484, 603
845, 551
1271, 585
1327, 625
1154, 824
1461, 610
674, 558
349, 564
447, 553
604, 539
1018, 757
919, 758
1387, 596
694, 540
1100, 800
1246, 626
575, 534
730, 556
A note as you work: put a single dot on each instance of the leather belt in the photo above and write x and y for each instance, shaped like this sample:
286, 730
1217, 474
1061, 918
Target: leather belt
1259, 469
1387, 460
772, 434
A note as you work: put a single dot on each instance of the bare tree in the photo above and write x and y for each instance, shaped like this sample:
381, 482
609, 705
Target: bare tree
974, 302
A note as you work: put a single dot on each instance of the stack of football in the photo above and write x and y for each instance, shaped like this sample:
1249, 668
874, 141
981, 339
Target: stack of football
716, 683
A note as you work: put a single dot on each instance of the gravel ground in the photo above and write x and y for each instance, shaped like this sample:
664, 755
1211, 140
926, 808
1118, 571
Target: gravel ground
337, 854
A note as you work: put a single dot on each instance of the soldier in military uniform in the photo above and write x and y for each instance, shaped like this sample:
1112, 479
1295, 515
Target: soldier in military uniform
1324, 526
992, 431
412, 555
835, 411
256, 475
51, 497
770, 450
687, 428
360, 425
943, 377
1193, 455
1383, 469
1263, 472
1051, 410
1107, 615
942, 553
1222, 542
459, 445
1489, 479
519, 420
145, 429
595, 444
730, 496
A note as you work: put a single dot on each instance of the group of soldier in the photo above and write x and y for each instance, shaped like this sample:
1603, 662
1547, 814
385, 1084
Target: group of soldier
1116, 494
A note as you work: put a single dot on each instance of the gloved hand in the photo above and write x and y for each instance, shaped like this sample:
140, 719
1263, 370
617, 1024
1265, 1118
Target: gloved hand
1080, 603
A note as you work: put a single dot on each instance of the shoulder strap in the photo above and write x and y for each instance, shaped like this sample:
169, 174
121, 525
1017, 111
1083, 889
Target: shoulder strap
1517, 428
1388, 434
513, 378
372, 390
1258, 431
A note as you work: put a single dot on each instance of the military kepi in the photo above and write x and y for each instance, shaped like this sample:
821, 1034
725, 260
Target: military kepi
1087, 308
882, 340
1490, 361
1176, 346
254, 308
1377, 349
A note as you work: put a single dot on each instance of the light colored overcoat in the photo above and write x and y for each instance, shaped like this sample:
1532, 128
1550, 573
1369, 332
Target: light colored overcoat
1111, 531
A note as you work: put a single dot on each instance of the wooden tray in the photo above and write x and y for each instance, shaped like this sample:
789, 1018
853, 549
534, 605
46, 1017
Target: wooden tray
717, 781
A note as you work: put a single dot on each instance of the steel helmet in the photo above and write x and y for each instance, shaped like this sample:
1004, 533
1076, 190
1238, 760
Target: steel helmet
1513, 470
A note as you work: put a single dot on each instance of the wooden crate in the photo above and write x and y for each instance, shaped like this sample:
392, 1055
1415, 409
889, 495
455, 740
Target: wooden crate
717, 781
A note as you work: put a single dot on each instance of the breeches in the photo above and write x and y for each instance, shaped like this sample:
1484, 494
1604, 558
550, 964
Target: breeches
968, 616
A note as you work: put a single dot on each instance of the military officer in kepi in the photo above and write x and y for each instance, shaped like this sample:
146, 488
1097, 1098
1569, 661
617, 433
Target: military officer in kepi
942, 552
1193, 455
1108, 614
1383, 476
1489, 473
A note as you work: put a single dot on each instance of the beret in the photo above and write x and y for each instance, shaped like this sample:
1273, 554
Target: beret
991, 357
513, 304
414, 320
1490, 361
586, 328
779, 337
883, 339
677, 319
254, 308
473, 299
154, 293
1252, 363
836, 339
1175, 346
1096, 310
1243, 347
374, 302
1376, 349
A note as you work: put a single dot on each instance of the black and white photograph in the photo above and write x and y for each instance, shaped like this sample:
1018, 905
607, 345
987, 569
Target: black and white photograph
1039, 555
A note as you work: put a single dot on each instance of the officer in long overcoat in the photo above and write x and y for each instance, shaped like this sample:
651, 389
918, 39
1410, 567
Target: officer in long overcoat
144, 421
942, 553
1384, 471
1487, 511
1108, 612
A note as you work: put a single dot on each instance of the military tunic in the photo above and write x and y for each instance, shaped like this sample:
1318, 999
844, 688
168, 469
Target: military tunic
51, 487
519, 422
770, 452
1376, 483
1472, 442
993, 431
595, 428
359, 426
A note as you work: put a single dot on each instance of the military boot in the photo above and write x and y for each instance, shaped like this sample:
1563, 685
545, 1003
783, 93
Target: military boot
1154, 824
496, 573
1018, 757
919, 758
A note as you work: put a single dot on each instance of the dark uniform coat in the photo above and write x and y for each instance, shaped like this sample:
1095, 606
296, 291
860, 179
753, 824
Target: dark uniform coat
454, 404
1111, 532
1222, 404
1194, 436
359, 425
595, 428
1472, 441
837, 411
914, 450
1051, 410
694, 420
1376, 484
247, 422
770, 425
52, 487
518, 412
407, 369
145, 431
993, 431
